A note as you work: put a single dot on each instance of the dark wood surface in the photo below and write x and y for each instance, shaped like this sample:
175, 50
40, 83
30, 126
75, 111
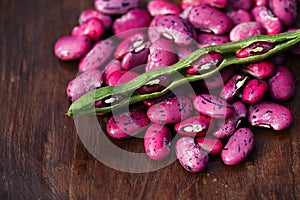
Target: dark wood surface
42, 157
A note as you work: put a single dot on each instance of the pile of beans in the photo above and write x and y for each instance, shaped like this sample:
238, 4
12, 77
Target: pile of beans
207, 119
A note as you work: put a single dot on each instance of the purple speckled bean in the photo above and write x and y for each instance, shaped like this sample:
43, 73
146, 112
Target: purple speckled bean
97, 56
155, 85
135, 59
205, 63
285, 10
126, 124
72, 47
270, 115
224, 129
91, 13
133, 19
84, 83
120, 77
232, 87
171, 110
192, 157
260, 70
213, 106
254, 91
282, 84
112, 66
185, 13
256, 48
264, 16
246, 30
208, 39
157, 142
153, 101
112, 7
92, 28
211, 145
193, 126
218, 80
240, 4
238, 147
162, 54
172, 27
133, 43
210, 19
261, 2
158, 7
239, 16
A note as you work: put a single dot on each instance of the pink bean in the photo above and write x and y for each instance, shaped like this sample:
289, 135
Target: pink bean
193, 126
260, 70
92, 28
285, 10
246, 30
120, 77
135, 59
158, 7
111, 67
254, 91
91, 13
239, 16
208, 39
210, 145
232, 87
113, 7
261, 2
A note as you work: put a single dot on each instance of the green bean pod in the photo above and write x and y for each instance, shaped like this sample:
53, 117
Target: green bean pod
85, 104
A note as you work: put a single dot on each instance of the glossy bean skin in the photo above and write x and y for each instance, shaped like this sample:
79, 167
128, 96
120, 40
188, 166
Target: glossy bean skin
224, 129
72, 47
191, 156
285, 10
240, 4
213, 106
214, 3
92, 28
133, 19
113, 7
84, 83
238, 147
205, 63
270, 115
92, 13
170, 111
158, 7
264, 16
261, 2
97, 56
260, 70
112, 66
172, 27
254, 91
193, 126
282, 84
208, 39
210, 19
157, 141
130, 44
239, 16
122, 125
232, 87
211, 145
256, 48
245, 30
162, 54
120, 77
135, 59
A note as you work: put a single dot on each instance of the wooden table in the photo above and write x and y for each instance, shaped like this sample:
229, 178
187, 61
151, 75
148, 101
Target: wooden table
42, 156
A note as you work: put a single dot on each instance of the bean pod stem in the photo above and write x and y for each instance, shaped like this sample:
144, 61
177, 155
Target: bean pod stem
85, 104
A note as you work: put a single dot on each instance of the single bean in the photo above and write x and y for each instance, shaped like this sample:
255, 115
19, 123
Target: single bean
132, 59
239, 16
193, 126
270, 115
208, 39
246, 30
256, 48
285, 10
254, 91
210, 145
120, 77
191, 156
158, 7
260, 70
157, 142
155, 85
93, 28
238, 147
232, 87
113, 7
91, 13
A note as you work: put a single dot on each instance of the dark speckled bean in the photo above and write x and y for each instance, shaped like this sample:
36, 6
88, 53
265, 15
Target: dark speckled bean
120, 77
126, 124
156, 84
285, 10
238, 147
232, 87
254, 91
239, 16
208, 39
213, 106
256, 48
135, 59
158, 7
224, 129
210, 19
115, 6
282, 84
246, 30
191, 156
157, 142
260, 70
170, 111
270, 115
193, 126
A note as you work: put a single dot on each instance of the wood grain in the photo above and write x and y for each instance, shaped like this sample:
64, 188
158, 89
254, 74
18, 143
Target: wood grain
42, 156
